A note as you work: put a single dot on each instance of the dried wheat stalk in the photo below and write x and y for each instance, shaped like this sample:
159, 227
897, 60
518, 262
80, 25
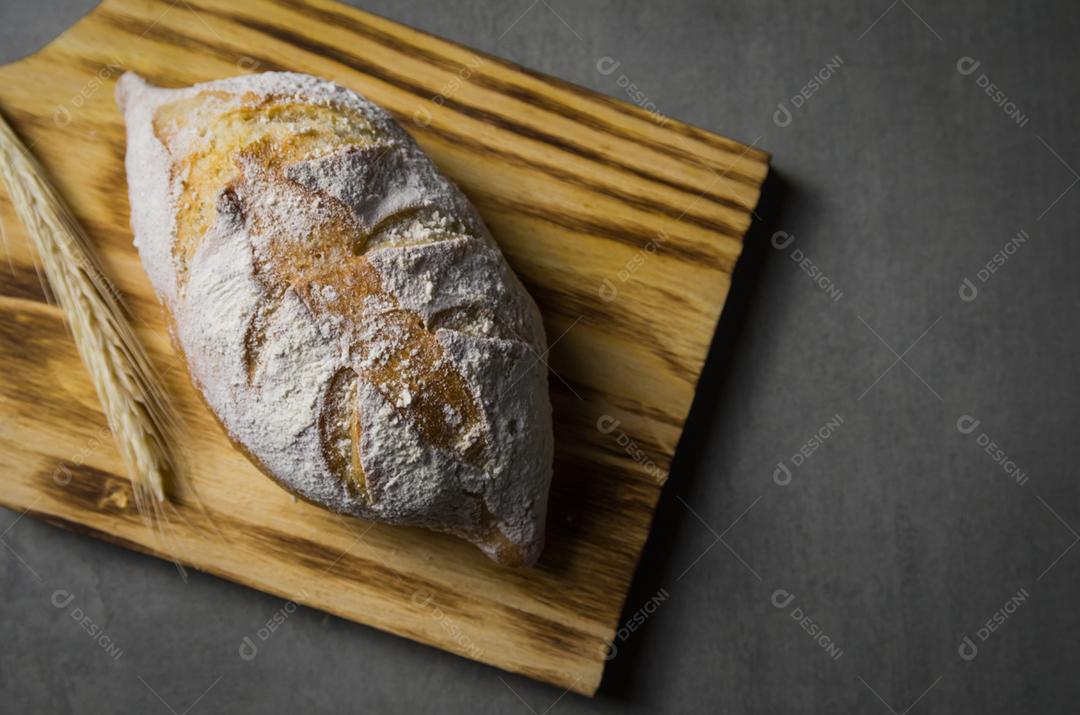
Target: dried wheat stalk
139, 414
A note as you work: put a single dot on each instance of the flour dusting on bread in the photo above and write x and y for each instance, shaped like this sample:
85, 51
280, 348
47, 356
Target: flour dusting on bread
342, 307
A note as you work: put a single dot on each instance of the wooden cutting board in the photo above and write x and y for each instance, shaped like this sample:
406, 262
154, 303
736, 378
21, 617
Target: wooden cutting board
624, 226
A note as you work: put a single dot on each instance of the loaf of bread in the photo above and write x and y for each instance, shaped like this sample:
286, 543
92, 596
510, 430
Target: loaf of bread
342, 307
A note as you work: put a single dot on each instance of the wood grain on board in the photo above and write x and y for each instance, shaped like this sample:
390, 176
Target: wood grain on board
624, 226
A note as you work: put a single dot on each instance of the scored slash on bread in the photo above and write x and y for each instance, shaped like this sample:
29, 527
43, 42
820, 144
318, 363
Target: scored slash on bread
342, 307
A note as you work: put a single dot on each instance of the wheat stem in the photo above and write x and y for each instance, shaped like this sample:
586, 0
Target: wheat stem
139, 413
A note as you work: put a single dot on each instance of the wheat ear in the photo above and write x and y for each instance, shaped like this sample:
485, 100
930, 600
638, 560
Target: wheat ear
138, 411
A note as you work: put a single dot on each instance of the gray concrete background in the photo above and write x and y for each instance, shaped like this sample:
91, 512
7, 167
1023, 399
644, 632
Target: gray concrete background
900, 536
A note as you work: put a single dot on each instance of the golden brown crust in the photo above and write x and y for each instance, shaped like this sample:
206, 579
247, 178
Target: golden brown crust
342, 309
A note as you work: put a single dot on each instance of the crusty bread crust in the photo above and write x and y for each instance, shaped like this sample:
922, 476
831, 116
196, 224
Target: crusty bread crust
341, 306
